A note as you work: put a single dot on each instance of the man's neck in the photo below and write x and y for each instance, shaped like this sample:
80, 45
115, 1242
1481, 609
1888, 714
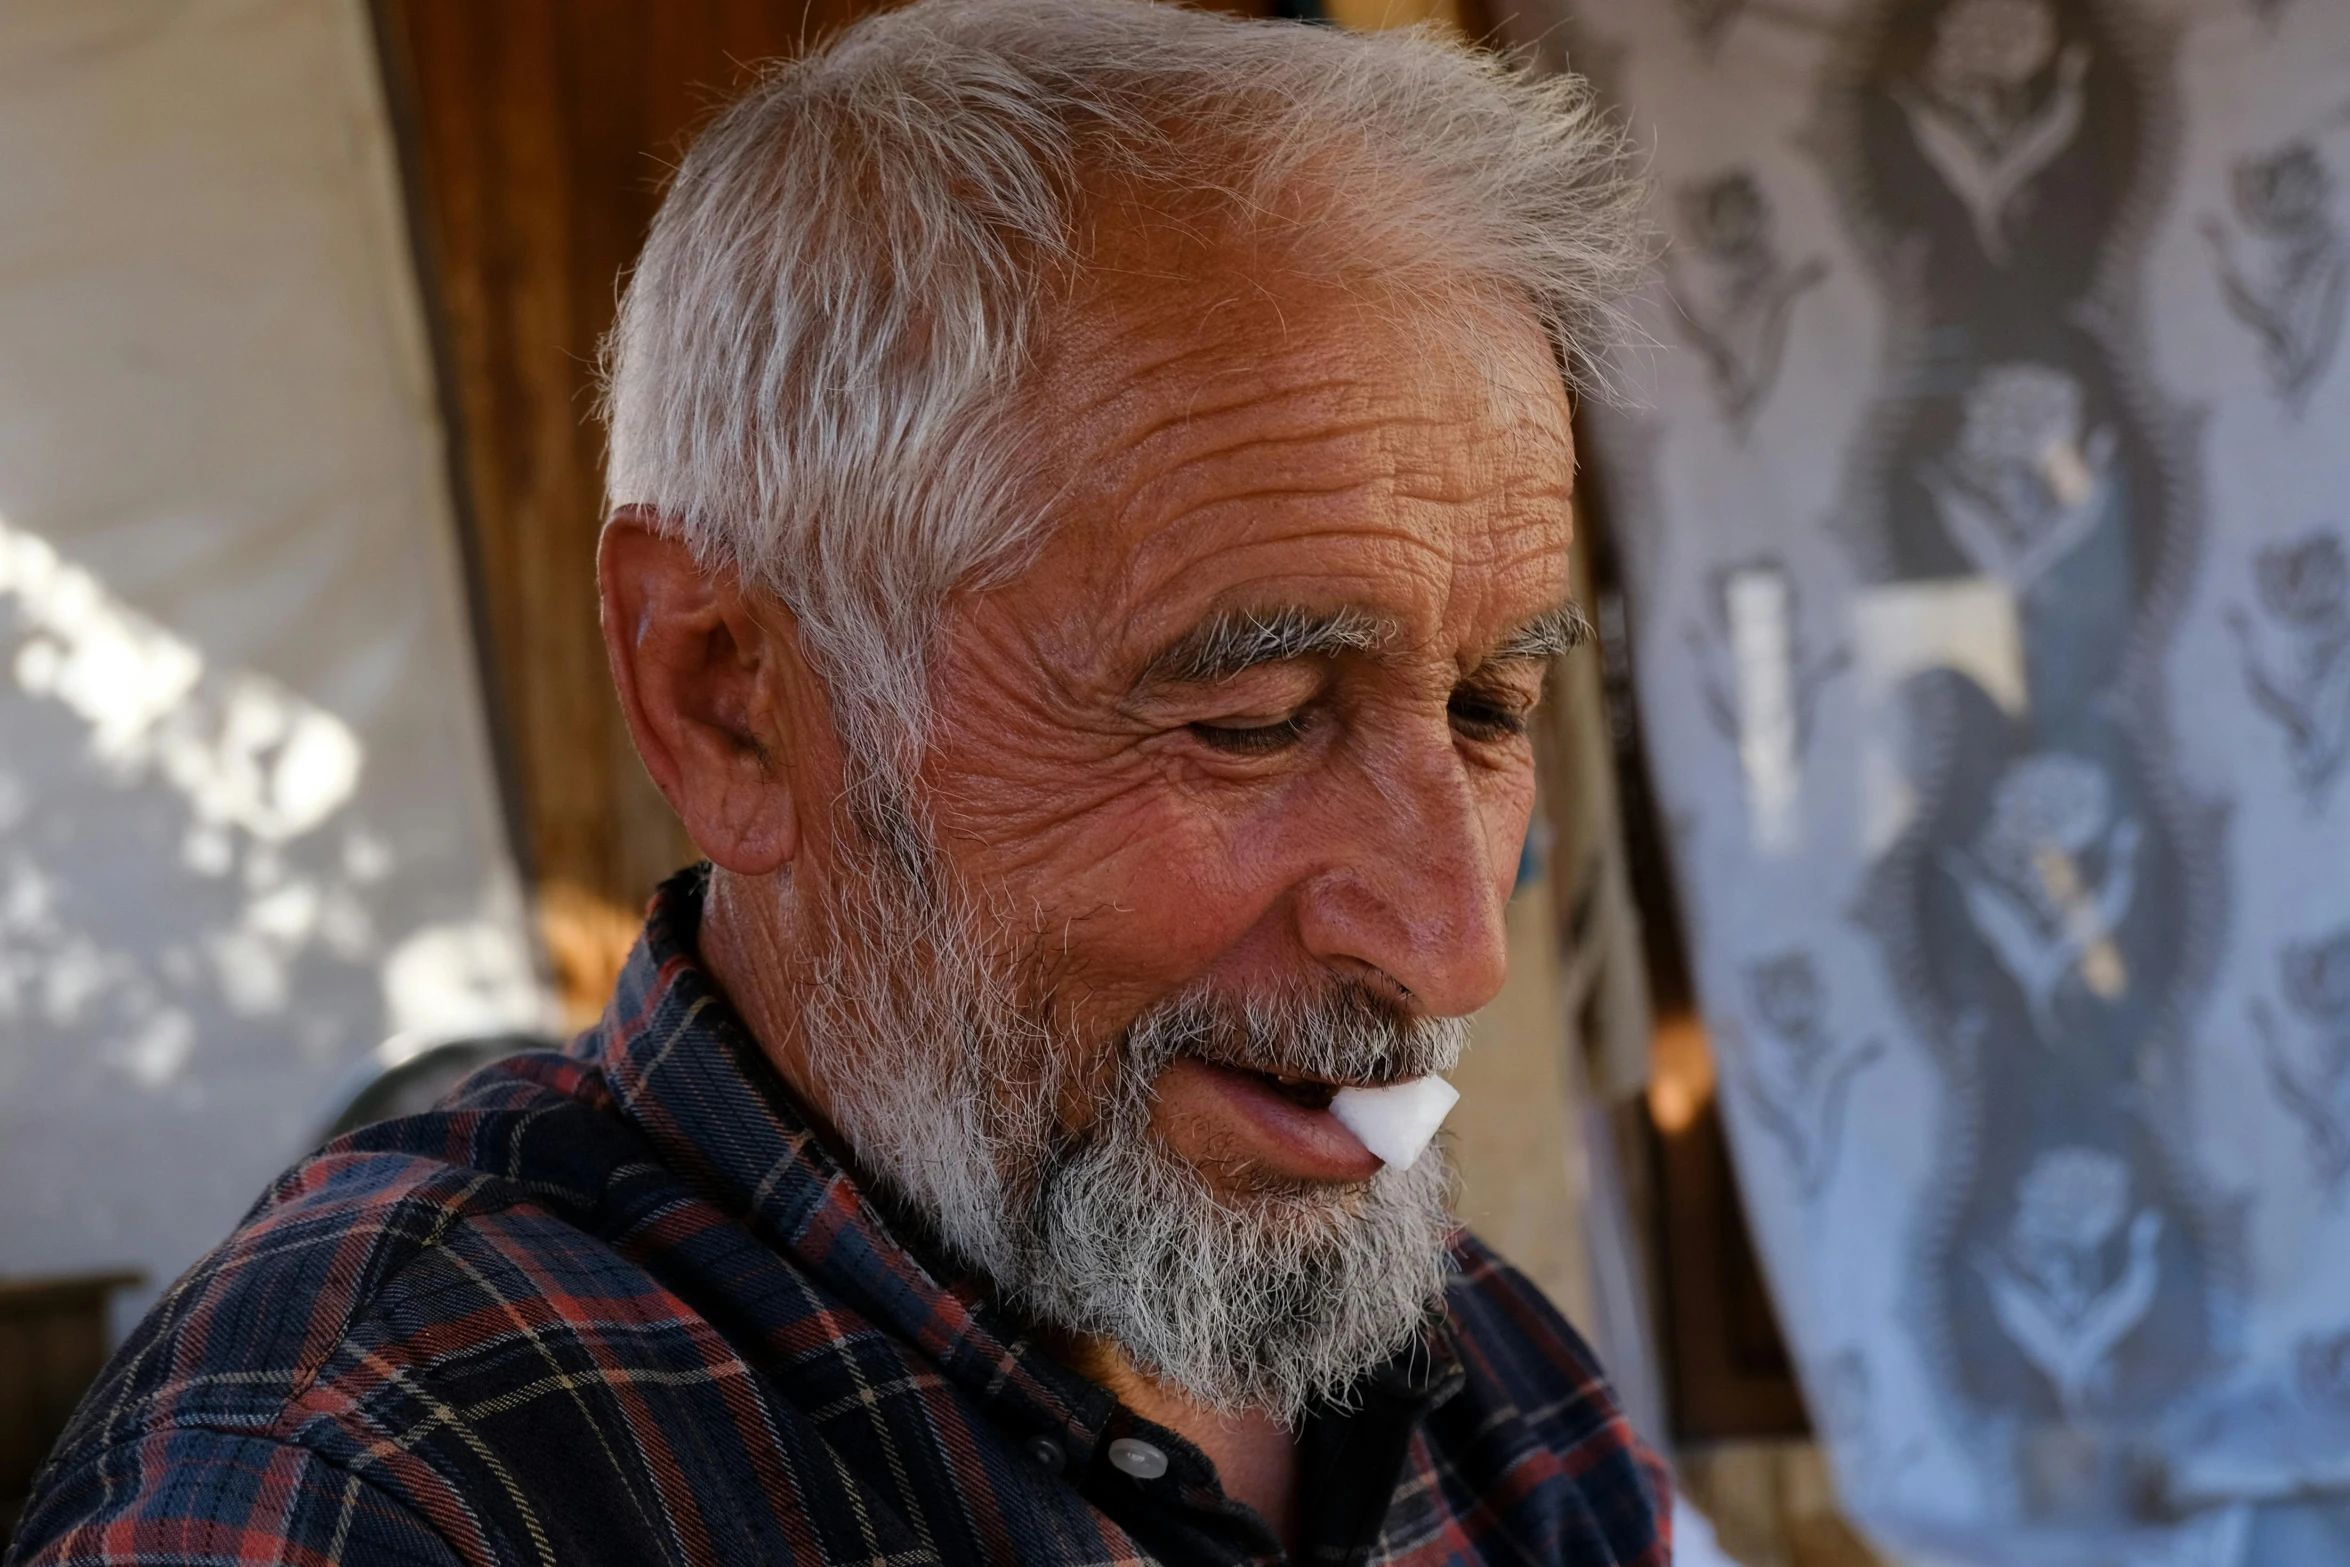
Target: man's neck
738, 943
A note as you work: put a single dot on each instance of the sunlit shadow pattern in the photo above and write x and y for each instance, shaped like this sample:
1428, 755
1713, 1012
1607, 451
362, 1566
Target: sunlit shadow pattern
238, 792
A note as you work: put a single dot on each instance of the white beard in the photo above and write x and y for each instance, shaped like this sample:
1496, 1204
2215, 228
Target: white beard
948, 1089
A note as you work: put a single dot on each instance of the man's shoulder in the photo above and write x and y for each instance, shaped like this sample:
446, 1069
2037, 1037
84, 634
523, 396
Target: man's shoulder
504, 1177
262, 1371
490, 1323
1535, 1432
1510, 1334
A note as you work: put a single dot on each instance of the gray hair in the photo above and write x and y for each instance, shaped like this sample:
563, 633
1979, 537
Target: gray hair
817, 368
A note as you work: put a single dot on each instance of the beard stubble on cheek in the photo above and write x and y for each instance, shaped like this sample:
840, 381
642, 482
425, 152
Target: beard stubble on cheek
954, 1092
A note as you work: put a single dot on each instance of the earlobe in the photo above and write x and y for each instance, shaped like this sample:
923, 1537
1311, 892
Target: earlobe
701, 678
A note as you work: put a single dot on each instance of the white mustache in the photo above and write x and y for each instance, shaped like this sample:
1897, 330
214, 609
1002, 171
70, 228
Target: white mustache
1347, 1033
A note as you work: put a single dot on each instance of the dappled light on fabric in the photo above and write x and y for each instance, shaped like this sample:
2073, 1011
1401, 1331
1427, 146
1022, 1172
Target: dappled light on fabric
241, 788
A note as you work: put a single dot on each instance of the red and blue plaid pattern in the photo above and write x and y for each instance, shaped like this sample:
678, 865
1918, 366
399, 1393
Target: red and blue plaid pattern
619, 1305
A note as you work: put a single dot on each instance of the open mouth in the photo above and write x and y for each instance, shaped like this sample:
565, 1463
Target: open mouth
1262, 1123
1302, 1091
1306, 1092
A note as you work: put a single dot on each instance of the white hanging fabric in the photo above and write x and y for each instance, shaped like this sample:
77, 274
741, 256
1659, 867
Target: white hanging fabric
1982, 500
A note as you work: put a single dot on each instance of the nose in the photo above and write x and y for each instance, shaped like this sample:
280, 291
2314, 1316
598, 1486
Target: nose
1417, 882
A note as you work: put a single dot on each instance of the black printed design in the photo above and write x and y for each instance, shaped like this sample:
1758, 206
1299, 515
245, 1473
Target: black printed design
1796, 1079
2309, 1058
2022, 486
2049, 881
2288, 279
2076, 1271
2049, 913
2297, 657
1998, 100
1735, 293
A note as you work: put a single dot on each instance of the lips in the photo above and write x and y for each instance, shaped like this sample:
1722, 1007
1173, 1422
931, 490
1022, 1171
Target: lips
1252, 1127
1311, 1089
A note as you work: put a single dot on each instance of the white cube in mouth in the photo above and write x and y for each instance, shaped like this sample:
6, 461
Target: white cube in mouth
1396, 1122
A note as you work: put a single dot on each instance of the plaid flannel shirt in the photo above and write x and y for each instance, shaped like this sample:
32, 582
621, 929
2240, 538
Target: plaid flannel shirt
620, 1305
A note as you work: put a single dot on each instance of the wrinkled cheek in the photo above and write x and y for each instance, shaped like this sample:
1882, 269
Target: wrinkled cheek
1145, 923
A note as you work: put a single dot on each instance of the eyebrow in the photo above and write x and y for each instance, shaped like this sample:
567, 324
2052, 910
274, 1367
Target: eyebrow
1235, 641
1551, 634
1229, 643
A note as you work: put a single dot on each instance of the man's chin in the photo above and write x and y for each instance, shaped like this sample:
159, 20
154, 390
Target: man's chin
1266, 1300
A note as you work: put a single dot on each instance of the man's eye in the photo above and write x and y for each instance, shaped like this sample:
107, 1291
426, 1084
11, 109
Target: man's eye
1252, 739
1485, 718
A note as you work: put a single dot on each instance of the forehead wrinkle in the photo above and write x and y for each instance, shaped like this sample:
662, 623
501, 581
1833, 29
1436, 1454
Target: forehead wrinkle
1157, 389
1257, 467
1545, 495
1130, 346
1126, 351
1357, 375
1207, 382
1371, 456
1375, 525
1370, 545
1147, 443
1374, 409
1353, 412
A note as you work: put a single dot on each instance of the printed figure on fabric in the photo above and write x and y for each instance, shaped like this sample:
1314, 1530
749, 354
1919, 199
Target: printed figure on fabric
2297, 664
1998, 100
2308, 1056
2022, 486
1793, 1073
2069, 1284
1735, 293
2288, 277
2044, 912
2049, 881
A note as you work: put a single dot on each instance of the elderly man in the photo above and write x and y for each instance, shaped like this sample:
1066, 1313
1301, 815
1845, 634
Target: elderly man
1090, 524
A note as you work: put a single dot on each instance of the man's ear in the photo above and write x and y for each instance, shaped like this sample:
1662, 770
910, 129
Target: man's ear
707, 680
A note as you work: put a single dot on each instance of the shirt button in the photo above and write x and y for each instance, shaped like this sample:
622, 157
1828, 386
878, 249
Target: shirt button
1137, 1459
1046, 1454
